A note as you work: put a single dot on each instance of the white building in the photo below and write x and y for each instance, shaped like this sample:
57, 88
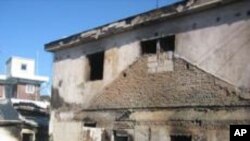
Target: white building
20, 80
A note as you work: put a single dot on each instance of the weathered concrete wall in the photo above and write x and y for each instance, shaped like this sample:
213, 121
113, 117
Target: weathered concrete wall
209, 124
195, 35
220, 50
215, 44
72, 80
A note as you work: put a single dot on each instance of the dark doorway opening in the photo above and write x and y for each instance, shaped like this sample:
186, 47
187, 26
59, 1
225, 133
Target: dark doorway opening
96, 62
180, 138
27, 137
120, 138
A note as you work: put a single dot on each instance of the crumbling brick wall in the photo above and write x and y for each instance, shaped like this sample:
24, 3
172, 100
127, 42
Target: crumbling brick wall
186, 85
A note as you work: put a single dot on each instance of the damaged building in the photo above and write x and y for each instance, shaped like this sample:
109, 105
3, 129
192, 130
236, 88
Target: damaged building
177, 73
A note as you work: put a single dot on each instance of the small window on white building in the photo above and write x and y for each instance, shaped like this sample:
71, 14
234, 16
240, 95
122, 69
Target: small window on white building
30, 89
24, 67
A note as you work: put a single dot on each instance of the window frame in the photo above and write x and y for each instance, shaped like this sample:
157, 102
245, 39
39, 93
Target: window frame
92, 59
30, 88
24, 67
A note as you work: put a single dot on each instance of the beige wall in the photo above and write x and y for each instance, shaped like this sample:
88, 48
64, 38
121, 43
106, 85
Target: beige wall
153, 125
218, 47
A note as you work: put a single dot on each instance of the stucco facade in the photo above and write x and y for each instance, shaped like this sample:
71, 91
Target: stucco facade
180, 71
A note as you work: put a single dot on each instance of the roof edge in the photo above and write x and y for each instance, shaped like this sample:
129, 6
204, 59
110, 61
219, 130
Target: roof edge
126, 24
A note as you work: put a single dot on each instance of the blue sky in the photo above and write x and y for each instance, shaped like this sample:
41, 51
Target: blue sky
26, 25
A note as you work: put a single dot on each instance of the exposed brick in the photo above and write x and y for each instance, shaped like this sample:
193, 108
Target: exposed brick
181, 87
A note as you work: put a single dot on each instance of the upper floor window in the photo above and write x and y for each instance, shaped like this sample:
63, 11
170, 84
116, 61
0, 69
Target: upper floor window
164, 44
30, 89
167, 43
96, 62
149, 47
23, 67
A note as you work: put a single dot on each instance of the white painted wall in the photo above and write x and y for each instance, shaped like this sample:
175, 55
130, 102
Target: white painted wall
15, 67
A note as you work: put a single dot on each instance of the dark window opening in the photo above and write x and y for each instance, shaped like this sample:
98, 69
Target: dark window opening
187, 66
168, 43
27, 137
121, 136
23, 67
180, 138
96, 65
149, 47
90, 124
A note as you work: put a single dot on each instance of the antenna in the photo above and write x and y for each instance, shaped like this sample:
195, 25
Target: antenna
37, 61
157, 3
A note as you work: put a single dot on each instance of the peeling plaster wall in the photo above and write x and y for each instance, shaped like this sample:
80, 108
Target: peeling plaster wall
220, 50
156, 125
214, 41
70, 73
201, 38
